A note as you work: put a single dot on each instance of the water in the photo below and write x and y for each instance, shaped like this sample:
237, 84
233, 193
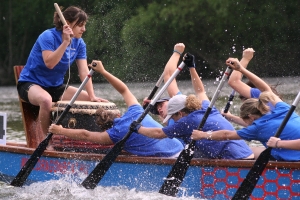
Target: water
69, 189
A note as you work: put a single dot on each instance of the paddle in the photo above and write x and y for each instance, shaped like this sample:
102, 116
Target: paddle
249, 183
102, 167
29, 165
179, 169
161, 78
229, 102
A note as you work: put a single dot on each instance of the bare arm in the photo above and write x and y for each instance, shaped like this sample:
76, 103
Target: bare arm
171, 67
216, 135
81, 134
235, 119
119, 85
235, 79
51, 58
152, 132
258, 82
285, 144
83, 71
198, 85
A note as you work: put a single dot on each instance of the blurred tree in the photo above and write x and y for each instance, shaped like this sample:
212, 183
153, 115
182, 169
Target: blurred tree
135, 38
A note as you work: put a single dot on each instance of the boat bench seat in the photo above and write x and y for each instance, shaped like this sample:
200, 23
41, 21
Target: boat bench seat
32, 128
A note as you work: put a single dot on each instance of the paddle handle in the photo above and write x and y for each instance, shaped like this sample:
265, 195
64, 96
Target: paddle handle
62, 18
158, 83
229, 102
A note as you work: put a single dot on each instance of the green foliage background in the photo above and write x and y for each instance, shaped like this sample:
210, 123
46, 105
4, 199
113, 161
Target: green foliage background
135, 39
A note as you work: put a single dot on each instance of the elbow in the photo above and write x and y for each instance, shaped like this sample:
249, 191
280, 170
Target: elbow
49, 65
232, 82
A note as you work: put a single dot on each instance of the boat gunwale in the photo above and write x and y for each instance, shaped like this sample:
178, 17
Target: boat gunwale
125, 158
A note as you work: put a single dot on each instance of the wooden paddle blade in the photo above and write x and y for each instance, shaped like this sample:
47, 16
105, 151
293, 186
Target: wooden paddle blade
103, 166
249, 183
23, 174
178, 171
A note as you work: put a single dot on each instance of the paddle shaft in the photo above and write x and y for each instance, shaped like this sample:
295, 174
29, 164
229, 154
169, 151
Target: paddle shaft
229, 102
103, 166
21, 177
160, 80
179, 169
60, 14
249, 183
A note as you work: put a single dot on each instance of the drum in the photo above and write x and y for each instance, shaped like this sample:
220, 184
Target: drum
82, 115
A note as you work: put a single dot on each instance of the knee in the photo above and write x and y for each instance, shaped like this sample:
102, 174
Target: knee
46, 103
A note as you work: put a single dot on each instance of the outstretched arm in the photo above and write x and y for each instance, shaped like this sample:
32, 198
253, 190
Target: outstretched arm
216, 135
235, 79
116, 83
81, 134
171, 67
152, 132
235, 119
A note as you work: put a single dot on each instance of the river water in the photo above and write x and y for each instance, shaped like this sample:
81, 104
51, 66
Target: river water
68, 189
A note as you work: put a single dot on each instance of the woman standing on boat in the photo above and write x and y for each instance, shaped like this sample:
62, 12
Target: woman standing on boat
262, 123
41, 80
187, 112
117, 126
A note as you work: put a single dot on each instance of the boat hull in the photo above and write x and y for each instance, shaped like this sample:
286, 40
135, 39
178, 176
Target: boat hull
205, 178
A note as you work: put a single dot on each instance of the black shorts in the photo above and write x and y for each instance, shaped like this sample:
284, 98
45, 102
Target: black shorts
55, 92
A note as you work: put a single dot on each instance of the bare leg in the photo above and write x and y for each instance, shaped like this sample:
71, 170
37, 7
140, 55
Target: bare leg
70, 91
39, 97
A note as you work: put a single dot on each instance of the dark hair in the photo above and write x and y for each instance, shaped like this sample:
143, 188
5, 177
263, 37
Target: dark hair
71, 14
273, 88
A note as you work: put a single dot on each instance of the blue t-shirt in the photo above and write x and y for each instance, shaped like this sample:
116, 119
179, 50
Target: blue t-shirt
35, 69
254, 92
266, 126
229, 149
139, 144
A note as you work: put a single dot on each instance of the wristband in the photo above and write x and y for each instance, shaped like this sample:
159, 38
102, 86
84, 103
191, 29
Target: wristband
177, 52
